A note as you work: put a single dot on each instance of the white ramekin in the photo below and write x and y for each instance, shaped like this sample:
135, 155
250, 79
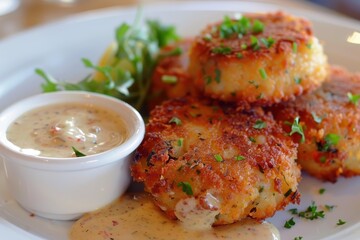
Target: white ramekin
66, 188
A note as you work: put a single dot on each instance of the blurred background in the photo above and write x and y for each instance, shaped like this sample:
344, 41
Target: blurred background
19, 15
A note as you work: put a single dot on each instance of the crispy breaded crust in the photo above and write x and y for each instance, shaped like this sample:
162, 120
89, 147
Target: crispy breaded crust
331, 124
173, 66
251, 69
217, 150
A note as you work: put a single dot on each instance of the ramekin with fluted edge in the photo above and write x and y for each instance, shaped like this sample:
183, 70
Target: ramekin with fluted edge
66, 188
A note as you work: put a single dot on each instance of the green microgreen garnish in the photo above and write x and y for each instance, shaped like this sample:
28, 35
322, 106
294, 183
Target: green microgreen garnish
259, 124
353, 98
175, 120
322, 190
312, 213
78, 153
186, 188
289, 223
169, 79
297, 128
128, 74
218, 157
263, 73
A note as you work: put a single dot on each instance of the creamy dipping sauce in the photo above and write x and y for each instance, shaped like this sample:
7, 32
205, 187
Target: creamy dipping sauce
53, 130
134, 216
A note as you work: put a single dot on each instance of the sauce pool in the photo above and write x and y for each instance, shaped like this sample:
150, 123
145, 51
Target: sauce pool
54, 130
134, 216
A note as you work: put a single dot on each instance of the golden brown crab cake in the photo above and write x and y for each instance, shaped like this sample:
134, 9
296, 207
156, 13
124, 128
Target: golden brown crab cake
260, 58
330, 119
202, 159
170, 78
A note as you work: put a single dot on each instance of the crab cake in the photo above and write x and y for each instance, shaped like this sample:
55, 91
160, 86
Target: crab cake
170, 78
330, 120
259, 58
205, 162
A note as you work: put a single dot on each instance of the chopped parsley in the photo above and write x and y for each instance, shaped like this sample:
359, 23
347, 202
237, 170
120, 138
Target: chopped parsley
329, 142
263, 73
259, 124
294, 47
298, 238
267, 42
312, 213
180, 142
78, 153
239, 158
297, 128
340, 222
353, 98
243, 46
217, 75
186, 188
297, 80
329, 207
289, 223
252, 139
218, 158
169, 79
322, 190
221, 50
258, 27
175, 120
239, 55
254, 43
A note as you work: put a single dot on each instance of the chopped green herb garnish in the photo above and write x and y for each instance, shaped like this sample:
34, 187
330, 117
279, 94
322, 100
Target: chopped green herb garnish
294, 47
322, 190
311, 213
262, 73
169, 79
330, 141
353, 98
180, 142
288, 193
252, 139
243, 46
298, 238
217, 75
329, 207
258, 27
293, 211
239, 158
297, 128
290, 223
78, 153
261, 189
175, 120
254, 42
218, 158
297, 80
207, 80
316, 118
239, 55
267, 42
207, 37
340, 222
221, 50
323, 159
259, 124
186, 188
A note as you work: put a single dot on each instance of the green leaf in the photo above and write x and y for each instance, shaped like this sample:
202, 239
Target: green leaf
78, 153
353, 98
50, 84
290, 223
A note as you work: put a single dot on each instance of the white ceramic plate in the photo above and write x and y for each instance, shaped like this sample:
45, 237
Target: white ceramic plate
58, 48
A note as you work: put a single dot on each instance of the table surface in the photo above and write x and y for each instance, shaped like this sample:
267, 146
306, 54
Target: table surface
31, 13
